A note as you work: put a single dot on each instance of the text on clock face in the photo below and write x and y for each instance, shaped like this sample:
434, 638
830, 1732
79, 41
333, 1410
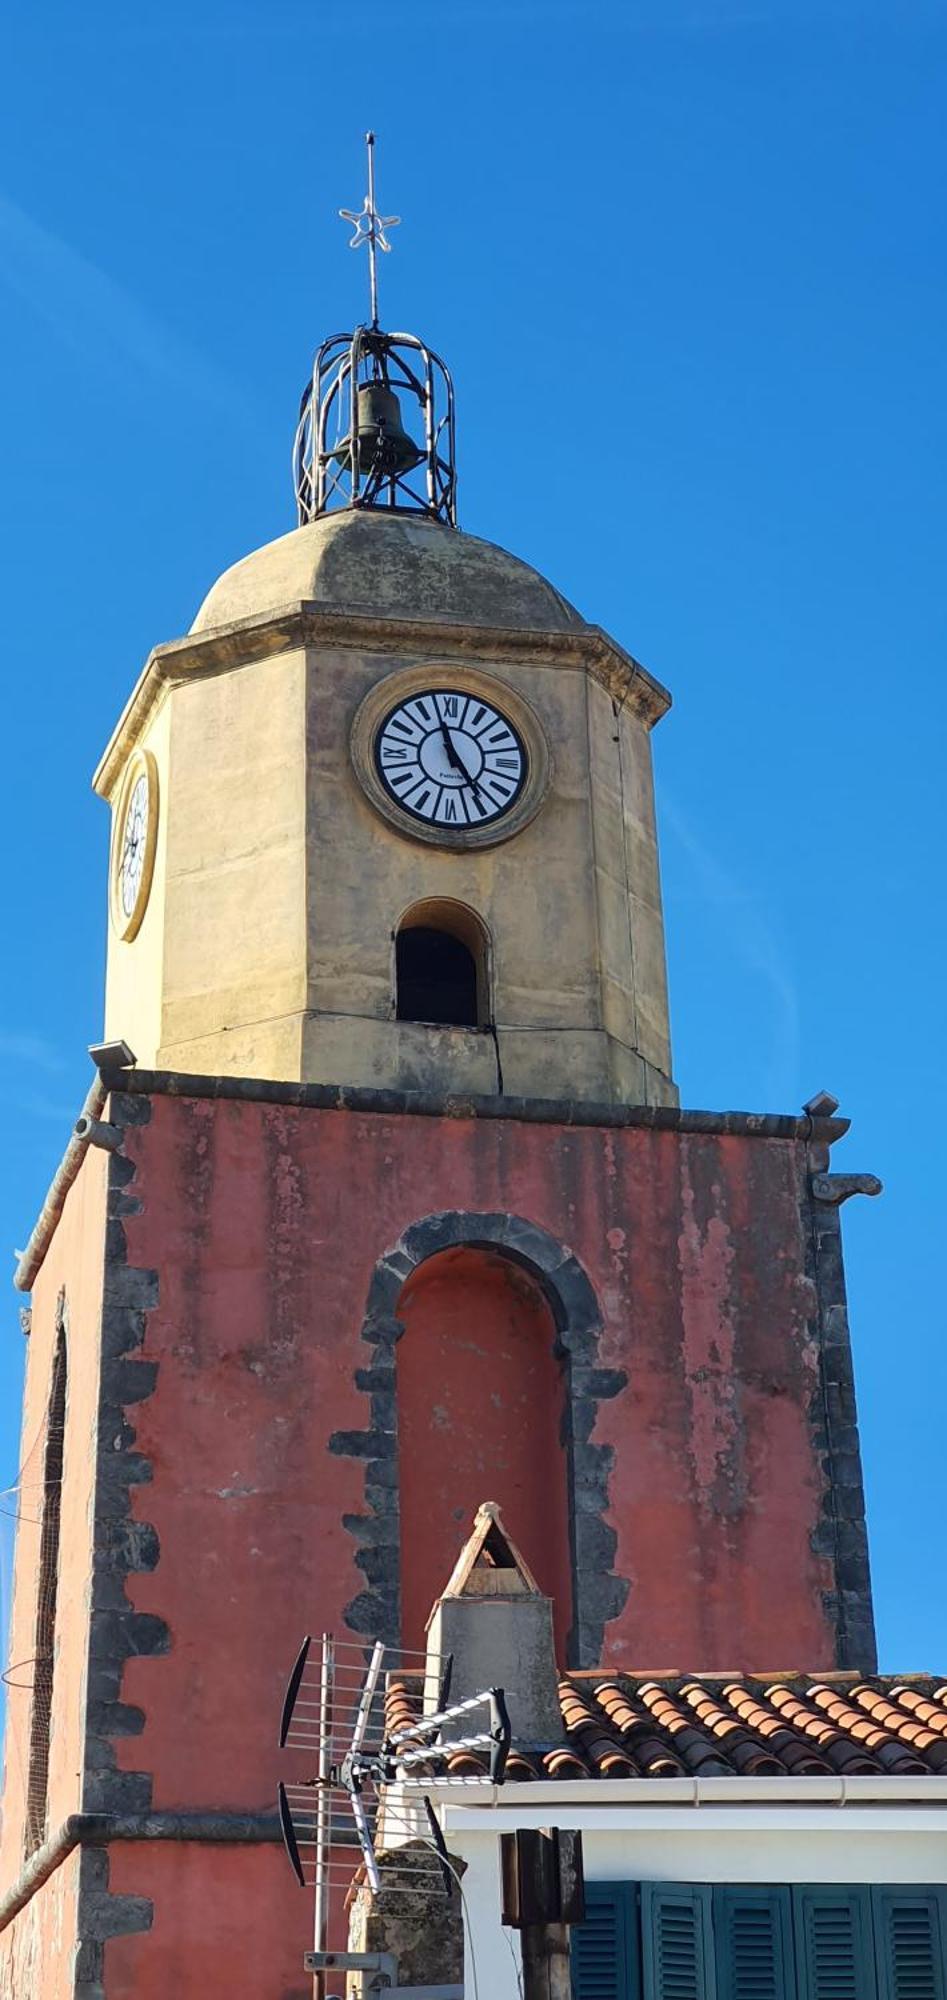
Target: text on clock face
450, 758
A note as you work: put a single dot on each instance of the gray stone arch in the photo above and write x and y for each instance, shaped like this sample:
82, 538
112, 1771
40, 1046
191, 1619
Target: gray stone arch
598, 1594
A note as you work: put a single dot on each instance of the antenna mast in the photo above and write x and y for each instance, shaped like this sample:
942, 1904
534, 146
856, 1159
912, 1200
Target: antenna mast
380, 1728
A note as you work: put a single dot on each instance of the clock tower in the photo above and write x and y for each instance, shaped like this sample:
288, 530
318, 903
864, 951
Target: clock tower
385, 817
382, 1203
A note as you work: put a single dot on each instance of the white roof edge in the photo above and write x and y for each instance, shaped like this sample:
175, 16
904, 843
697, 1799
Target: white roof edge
474, 1794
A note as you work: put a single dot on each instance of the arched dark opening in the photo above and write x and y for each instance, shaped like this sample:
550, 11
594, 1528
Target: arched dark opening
440, 966
37, 1787
437, 978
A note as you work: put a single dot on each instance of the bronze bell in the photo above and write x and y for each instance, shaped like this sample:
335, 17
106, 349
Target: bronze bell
383, 443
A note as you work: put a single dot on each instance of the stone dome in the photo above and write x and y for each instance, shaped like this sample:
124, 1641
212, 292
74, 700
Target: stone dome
393, 565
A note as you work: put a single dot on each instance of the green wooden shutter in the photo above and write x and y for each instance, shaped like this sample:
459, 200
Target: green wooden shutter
605, 1946
677, 1941
834, 1949
753, 1943
910, 1940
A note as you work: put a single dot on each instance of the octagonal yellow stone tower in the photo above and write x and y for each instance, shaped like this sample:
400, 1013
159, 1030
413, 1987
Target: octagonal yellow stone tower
263, 936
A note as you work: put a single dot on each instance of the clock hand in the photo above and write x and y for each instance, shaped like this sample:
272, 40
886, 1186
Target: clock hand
453, 759
457, 762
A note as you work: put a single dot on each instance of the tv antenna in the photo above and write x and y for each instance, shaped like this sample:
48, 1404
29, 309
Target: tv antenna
363, 1816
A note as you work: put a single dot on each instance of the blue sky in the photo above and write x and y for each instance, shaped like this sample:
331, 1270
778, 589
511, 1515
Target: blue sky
686, 261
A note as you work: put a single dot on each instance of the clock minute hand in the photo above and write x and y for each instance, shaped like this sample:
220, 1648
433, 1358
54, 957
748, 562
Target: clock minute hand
457, 762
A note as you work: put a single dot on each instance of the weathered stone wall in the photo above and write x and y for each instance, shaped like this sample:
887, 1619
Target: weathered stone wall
412, 1918
245, 1444
38, 1950
697, 1405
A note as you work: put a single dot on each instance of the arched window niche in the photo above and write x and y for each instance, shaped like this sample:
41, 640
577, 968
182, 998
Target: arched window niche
560, 1307
47, 1587
442, 970
481, 1398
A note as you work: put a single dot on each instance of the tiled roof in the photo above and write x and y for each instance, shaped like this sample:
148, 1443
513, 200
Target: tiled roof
729, 1725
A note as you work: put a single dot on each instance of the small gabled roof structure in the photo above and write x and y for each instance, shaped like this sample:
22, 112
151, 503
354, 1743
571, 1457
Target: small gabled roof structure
495, 1623
490, 1564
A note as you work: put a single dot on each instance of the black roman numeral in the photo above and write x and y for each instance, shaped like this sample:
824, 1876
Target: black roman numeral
402, 781
420, 801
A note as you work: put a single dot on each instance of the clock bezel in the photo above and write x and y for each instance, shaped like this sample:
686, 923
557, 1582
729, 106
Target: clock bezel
403, 685
141, 764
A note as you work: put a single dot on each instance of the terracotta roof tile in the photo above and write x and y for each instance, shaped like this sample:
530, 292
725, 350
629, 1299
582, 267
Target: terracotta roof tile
921, 1708
699, 1754
744, 1751
563, 1763
523, 1765
892, 1751
587, 1726
465, 1764
671, 1725
653, 1757
793, 1753
842, 1754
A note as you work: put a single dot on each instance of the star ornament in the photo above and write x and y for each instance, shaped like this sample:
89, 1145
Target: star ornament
370, 227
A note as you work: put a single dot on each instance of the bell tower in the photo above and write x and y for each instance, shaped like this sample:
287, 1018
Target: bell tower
385, 817
392, 1207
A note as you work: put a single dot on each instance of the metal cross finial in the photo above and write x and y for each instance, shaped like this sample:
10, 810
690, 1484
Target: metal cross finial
370, 227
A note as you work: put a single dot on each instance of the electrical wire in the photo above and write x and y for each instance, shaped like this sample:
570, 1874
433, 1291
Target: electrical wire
516, 1964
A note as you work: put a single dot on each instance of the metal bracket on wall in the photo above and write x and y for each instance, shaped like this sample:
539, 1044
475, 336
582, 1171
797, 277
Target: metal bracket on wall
385, 1969
379, 1967
384, 1981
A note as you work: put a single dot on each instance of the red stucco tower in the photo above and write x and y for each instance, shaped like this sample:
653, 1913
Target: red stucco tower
393, 1208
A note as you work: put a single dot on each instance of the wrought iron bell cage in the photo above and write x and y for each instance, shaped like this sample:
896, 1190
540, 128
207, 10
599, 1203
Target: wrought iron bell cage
352, 446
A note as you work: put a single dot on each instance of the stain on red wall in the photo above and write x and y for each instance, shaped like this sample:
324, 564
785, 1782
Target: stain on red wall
480, 1417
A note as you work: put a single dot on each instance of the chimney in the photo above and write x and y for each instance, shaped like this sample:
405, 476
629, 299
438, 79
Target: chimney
495, 1623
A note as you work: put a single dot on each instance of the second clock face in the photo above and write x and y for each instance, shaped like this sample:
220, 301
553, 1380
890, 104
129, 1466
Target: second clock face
133, 848
450, 759
131, 867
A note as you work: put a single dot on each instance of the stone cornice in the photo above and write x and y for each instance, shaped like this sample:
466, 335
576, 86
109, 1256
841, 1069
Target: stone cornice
811, 1130
230, 646
529, 1110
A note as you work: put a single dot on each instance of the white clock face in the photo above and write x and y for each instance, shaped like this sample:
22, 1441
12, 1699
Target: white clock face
131, 865
450, 759
134, 845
